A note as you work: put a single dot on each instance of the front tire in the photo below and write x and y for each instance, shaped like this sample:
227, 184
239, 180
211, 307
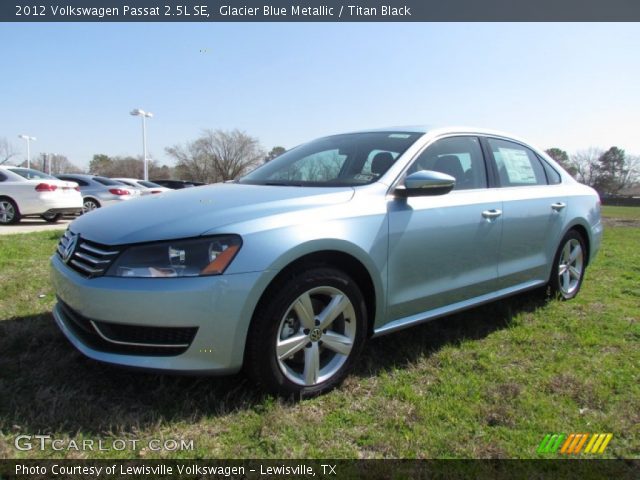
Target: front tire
9, 213
569, 266
51, 217
307, 334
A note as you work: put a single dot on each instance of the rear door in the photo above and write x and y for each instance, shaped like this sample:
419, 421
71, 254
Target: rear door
533, 213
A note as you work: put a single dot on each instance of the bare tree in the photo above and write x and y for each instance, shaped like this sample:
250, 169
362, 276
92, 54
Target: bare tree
586, 164
61, 164
633, 170
7, 151
193, 162
217, 156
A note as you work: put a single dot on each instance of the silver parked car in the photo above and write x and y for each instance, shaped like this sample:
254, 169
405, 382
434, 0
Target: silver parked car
291, 268
99, 191
143, 186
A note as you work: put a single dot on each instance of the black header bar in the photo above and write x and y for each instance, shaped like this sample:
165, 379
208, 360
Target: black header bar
320, 11
318, 469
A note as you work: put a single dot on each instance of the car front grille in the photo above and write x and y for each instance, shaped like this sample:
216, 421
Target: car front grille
127, 339
89, 259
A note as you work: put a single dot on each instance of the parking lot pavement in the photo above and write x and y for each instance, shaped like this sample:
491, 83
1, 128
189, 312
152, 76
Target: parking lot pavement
28, 225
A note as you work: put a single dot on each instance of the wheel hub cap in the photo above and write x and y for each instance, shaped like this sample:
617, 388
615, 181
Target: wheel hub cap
315, 335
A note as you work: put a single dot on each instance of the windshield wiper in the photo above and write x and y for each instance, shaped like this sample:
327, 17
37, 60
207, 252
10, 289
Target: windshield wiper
284, 184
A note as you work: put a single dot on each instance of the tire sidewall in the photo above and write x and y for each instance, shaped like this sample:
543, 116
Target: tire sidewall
555, 280
265, 330
52, 218
90, 201
16, 212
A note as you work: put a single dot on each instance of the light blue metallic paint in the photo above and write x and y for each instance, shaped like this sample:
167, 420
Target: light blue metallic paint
426, 256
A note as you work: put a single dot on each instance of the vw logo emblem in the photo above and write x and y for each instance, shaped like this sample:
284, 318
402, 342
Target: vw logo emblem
70, 247
315, 335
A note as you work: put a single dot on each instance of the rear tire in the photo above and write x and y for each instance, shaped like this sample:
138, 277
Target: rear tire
89, 204
569, 266
9, 212
307, 334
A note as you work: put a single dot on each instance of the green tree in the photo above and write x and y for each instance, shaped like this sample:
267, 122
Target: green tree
562, 157
612, 173
275, 152
100, 163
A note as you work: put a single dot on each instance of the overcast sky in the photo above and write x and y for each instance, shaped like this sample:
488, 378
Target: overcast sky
72, 85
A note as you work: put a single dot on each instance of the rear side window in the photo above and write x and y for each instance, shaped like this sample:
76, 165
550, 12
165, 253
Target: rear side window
126, 182
31, 174
3, 177
553, 177
460, 157
107, 181
517, 165
79, 181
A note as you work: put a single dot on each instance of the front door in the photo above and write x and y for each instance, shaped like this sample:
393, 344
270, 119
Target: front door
444, 249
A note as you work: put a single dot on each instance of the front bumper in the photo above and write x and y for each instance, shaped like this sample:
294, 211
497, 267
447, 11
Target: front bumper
217, 308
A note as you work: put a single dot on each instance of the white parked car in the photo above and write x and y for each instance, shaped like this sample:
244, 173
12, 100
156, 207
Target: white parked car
145, 187
25, 192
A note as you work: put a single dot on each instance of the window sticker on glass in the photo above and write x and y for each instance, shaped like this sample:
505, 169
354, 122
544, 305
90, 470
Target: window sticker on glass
363, 177
517, 165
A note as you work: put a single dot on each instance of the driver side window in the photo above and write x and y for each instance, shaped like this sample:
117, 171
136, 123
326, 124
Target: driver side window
460, 157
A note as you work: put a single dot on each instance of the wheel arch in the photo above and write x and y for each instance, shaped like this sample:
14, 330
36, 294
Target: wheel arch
339, 259
12, 200
91, 197
7, 197
584, 233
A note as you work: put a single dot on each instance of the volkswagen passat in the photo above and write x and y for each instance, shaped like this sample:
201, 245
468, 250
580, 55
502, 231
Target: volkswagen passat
99, 191
25, 192
288, 270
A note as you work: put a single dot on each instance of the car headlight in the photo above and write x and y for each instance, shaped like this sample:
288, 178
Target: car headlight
177, 258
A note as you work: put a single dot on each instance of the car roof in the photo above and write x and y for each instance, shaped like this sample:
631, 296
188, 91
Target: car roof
437, 130
79, 175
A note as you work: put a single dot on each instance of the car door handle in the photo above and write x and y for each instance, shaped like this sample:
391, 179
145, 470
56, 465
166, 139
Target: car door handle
558, 206
491, 214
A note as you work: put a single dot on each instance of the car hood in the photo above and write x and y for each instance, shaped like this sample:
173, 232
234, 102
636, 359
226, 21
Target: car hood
191, 212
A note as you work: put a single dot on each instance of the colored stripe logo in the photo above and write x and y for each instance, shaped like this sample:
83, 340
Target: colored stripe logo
574, 443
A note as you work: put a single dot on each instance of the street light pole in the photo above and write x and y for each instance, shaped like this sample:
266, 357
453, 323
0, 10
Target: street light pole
28, 139
141, 113
51, 157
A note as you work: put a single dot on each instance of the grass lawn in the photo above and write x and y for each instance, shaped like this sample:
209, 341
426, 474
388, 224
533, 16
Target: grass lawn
491, 382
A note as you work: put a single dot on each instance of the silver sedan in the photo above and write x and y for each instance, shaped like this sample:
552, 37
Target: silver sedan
100, 191
288, 271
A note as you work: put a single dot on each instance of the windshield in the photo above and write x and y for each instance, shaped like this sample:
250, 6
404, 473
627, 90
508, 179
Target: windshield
340, 160
31, 174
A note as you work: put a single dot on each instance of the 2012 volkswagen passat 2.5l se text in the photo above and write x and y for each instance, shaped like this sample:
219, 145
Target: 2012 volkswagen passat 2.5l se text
289, 269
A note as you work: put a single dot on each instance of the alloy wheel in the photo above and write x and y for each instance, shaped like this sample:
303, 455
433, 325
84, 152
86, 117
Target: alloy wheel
7, 212
570, 267
89, 205
316, 336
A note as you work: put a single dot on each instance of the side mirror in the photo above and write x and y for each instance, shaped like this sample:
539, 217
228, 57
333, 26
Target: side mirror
426, 182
